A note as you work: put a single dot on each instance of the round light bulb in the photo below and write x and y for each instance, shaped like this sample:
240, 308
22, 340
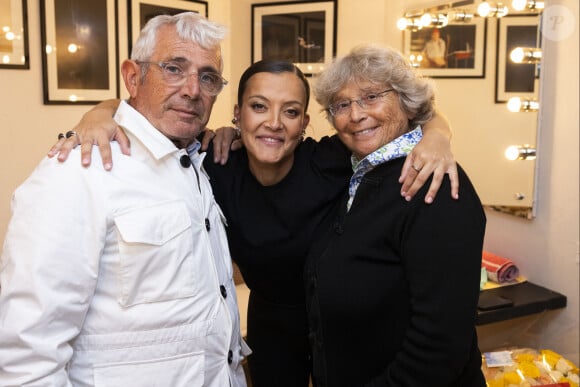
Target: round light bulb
402, 23
519, 5
514, 104
426, 20
483, 9
517, 55
72, 48
512, 152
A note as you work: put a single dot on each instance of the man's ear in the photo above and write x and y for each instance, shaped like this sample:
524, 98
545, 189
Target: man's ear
131, 73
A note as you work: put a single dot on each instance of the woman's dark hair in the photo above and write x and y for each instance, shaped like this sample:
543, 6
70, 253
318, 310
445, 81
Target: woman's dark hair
274, 67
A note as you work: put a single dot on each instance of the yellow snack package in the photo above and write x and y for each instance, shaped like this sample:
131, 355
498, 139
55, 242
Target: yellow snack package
512, 378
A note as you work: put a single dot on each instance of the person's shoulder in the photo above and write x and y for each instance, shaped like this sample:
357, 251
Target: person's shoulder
53, 175
237, 161
118, 156
465, 183
323, 144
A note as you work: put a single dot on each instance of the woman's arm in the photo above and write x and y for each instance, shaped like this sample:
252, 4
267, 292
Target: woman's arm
431, 156
97, 127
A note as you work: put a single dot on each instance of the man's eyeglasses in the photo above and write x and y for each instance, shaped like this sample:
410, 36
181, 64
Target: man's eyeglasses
175, 74
344, 107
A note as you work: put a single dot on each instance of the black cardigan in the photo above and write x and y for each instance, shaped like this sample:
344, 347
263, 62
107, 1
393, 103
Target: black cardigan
392, 287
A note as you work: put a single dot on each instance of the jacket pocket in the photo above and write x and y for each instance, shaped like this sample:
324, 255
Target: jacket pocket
178, 371
155, 254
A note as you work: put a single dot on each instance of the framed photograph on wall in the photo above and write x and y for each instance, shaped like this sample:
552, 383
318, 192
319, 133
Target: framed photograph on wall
300, 32
454, 51
140, 11
79, 51
516, 79
14, 35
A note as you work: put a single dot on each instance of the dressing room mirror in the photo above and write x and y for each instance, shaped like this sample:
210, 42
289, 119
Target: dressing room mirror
475, 81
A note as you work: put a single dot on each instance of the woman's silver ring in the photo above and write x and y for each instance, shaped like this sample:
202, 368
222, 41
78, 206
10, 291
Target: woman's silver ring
60, 136
70, 133
416, 169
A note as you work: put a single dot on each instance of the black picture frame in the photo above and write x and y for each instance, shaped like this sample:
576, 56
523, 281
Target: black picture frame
140, 11
465, 49
300, 32
14, 35
79, 51
516, 79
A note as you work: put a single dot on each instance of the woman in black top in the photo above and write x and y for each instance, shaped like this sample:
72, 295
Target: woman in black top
273, 192
392, 286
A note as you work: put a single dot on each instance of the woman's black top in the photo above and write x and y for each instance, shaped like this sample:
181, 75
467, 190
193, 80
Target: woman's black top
270, 230
392, 287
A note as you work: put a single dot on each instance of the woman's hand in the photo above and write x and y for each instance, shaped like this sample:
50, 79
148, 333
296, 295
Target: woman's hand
96, 127
226, 139
431, 156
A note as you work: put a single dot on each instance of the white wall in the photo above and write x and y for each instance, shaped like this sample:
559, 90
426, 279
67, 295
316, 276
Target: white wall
546, 248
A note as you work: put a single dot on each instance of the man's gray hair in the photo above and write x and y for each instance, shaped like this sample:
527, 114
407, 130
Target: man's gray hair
190, 26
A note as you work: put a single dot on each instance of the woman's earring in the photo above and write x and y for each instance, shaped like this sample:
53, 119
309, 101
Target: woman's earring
302, 135
237, 130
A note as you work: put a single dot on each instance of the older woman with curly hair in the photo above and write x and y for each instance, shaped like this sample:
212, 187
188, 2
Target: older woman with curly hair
392, 286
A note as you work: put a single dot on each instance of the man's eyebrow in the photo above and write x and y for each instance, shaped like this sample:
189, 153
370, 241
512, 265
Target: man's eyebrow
209, 69
182, 60
178, 59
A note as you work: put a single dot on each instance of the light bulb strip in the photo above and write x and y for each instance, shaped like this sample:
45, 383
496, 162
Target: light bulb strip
487, 9
517, 104
434, 20
528, 5
520, 152
460, 16
526, 55
530, 105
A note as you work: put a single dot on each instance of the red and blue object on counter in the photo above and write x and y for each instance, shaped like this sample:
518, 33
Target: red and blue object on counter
499, 269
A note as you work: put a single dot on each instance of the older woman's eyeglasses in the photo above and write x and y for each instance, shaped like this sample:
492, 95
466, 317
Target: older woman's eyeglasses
175, 74
345, 106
